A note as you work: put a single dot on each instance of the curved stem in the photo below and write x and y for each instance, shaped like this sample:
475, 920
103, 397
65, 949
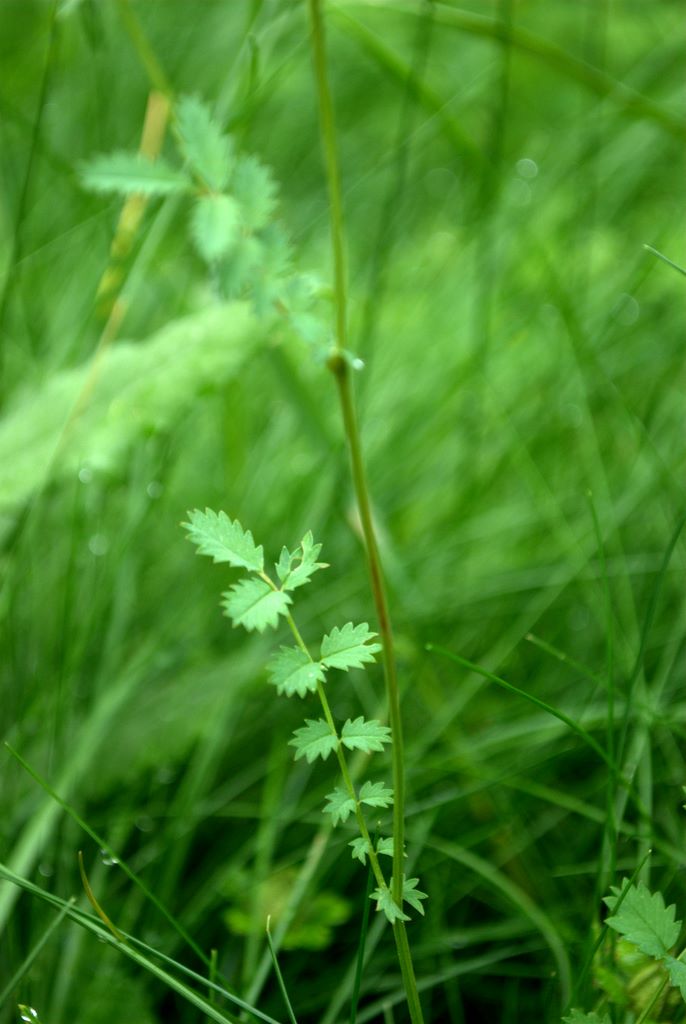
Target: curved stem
340, 367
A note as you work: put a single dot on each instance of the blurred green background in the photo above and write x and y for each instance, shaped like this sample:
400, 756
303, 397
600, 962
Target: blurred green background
504, 164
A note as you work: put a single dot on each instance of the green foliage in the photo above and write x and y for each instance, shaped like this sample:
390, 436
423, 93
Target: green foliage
349, 647
643, 919
255, 605
376, 795
137, 389
133, 174
224, 541
292, 671
208, 151
340, 806
642, 961
361, 847
362, 735
216, 226
677, 974
232, 219
256, 192
314, 739
386, 904
296, 568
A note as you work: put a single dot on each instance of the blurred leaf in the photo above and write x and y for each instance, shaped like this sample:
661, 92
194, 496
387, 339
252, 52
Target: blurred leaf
207, 149
255, 189
215, 226
132, 174
90, 416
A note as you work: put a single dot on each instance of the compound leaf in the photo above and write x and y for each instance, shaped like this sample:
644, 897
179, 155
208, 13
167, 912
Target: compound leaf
340, 805
132, 174
207, 149
223, 540
291, 671
254, 605
643, 919
349, 647
295, 568
215, 226
376, 794
314, 739
385, 902
362, 735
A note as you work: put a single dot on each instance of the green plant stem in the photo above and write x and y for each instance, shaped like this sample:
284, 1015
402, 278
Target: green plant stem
646, 1010
333, 177
341, 370
342, 763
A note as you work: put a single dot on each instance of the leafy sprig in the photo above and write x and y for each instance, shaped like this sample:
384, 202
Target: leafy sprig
257, 602
232, 222
643, 919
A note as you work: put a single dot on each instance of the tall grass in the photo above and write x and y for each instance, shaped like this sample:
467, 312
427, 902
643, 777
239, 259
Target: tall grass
502, 171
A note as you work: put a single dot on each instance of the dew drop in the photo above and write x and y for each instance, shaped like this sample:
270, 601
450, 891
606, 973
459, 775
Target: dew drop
107, 858
626, 310
46, 870
144, 823
28, 1013
527, 169
85, 474
358, 364
154, 489
98, 545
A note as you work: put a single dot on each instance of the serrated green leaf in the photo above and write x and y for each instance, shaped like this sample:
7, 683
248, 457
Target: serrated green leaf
254, 605
643, 919
292, 671
349, 647
208, 150
132, 174
340, 805
314, 739
413, 895
385, 902
376, 794
362, 735
255, 190
361, 849
385, 845
579, 1017
223, 540
215, 226
295, 568
677, 973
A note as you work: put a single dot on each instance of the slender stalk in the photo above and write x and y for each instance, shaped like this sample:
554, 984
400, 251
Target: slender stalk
340, 368
342, 762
